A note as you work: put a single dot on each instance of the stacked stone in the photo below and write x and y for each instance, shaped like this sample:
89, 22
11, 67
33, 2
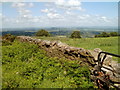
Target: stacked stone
59, 49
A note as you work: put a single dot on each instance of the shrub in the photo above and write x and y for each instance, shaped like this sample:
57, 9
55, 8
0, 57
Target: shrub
113, 34
103, 34
75, 34
8, 39
43, 32
5, 43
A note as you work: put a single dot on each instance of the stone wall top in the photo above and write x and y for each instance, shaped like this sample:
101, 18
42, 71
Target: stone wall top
59, 49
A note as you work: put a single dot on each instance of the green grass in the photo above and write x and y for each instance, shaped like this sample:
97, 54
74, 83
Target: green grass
109, 44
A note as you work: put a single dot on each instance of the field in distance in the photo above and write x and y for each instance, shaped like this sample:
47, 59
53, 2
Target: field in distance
109, 44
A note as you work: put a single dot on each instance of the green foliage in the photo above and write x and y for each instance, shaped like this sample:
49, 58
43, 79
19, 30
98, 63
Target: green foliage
103, 34
8, 39
5, 43
43, 32
113, 34
75, 34
26, 66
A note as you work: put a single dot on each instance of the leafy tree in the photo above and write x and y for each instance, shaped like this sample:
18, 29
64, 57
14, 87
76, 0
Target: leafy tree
96, 36
75, 34
103, 34
43, 32
113, 34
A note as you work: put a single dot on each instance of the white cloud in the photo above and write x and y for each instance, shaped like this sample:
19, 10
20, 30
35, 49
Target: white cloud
87, 15
22, 5
36, 19
58, 20
50, 10
17, 21
105, 19
24, 19
64, 15
69, 4
60, 2
18, 5
45, 10
89, 20
31, 5
53, 16
51, 13
24, 14
68, 12
2, 17
74, 3
23, 11
81, 17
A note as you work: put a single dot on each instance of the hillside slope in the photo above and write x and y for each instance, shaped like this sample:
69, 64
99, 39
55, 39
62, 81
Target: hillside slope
26, 66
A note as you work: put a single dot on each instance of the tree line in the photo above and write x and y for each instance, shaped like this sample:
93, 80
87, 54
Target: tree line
8, 38
77, 34
105, 34
42, 32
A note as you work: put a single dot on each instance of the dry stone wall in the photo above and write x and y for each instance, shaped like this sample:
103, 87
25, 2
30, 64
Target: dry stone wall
59, 49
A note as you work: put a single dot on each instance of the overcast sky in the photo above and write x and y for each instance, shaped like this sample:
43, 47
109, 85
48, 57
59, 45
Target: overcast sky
61, 13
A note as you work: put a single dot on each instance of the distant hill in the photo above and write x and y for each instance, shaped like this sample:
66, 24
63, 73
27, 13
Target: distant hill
58, 31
